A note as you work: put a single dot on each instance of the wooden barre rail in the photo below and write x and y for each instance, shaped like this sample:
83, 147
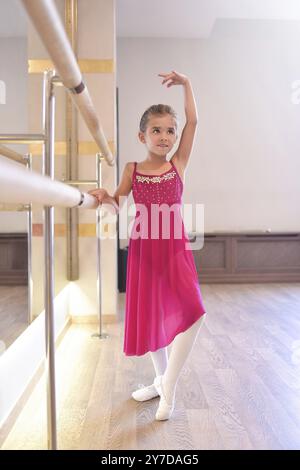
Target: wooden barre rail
20, 185
9, 153
46, 19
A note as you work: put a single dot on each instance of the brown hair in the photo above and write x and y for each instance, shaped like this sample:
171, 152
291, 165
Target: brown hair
156, 109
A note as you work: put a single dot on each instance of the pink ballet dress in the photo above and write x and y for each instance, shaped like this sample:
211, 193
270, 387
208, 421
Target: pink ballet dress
163, 295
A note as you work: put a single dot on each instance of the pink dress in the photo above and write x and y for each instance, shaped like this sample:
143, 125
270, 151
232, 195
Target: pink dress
163, 295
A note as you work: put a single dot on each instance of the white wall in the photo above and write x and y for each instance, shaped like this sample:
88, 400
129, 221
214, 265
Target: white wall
13, 71
245, 163
13, 113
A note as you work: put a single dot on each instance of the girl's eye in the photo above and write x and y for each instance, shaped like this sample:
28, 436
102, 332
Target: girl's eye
170, 130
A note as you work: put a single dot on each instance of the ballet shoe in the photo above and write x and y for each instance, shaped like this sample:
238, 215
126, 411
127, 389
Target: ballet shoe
164, 410
145, 393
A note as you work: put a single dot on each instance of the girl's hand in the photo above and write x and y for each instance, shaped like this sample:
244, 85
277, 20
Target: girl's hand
103, 197
174, 78
100, 194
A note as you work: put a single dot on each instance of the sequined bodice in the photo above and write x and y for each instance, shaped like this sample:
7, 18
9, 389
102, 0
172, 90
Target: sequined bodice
166, 188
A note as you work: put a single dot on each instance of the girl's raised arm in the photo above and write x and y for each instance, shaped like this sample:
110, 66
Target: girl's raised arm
185, 146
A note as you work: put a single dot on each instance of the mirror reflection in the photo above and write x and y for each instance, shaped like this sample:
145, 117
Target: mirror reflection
14, 289
15, 308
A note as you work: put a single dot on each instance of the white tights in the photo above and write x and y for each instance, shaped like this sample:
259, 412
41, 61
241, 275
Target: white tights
160, 360
170, 369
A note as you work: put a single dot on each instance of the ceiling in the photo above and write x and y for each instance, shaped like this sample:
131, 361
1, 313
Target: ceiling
194, 18
168, 18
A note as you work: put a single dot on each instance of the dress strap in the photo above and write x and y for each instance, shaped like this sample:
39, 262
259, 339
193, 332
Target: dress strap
174, 167
134, 170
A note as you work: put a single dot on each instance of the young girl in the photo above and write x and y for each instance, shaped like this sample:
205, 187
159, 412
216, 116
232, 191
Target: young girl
163, 298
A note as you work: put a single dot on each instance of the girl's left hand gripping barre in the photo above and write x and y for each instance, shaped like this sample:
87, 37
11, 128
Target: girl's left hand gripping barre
101, 196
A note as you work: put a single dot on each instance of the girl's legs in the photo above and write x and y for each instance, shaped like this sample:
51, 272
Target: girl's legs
181, 348
160, 360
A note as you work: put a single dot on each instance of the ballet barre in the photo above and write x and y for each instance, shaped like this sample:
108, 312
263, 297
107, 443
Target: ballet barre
50, 28
19, 184
9, 153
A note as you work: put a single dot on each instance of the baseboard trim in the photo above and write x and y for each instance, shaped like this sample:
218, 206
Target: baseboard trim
93, 319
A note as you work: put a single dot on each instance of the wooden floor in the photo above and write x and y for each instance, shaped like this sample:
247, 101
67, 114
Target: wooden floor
13, 312
240, 388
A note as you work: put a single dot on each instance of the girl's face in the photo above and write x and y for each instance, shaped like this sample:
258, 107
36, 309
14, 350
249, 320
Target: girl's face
160, 135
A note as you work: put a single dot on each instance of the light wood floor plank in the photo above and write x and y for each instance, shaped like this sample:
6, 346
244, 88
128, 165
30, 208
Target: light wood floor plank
238, 390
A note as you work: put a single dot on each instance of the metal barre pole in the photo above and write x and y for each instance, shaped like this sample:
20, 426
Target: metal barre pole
79, 182
48, 169
100, 335
28, 159
22, 138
